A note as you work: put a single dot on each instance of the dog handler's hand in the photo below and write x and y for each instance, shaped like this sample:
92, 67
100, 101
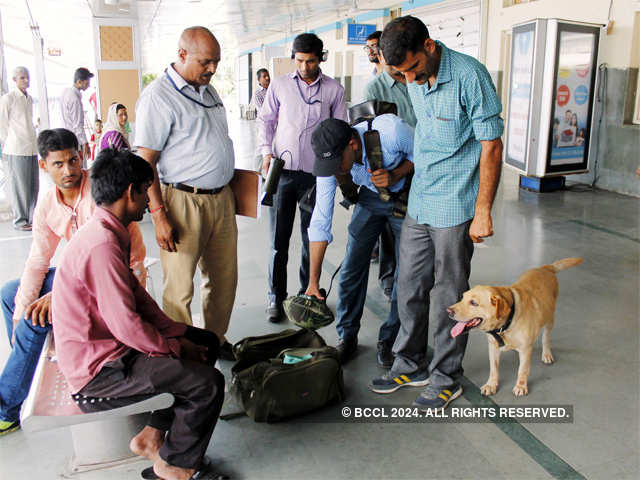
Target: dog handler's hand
481, 227
40, 311
166, 234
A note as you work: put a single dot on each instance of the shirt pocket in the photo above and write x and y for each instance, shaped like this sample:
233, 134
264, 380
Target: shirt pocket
446, 122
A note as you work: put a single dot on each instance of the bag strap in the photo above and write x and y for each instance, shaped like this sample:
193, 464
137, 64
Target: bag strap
373, 148
331, 282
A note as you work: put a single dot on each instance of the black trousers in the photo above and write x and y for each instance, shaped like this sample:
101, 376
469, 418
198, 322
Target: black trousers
291, 189
198, 389
387, 258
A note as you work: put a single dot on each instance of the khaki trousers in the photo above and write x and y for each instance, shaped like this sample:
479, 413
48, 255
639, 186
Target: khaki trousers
208, 239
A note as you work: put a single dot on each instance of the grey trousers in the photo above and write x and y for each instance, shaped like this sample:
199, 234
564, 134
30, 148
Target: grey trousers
435, 264
22, 173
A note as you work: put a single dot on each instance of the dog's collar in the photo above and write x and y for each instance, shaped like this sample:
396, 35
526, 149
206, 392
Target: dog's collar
497, 333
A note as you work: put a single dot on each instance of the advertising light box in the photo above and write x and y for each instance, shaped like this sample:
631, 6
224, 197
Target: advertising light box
551, 97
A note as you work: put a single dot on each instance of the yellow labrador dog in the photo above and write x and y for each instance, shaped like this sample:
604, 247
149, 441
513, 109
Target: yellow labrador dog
512, 317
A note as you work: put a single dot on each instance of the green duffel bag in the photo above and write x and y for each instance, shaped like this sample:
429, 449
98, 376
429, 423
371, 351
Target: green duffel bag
252, 350
298, 381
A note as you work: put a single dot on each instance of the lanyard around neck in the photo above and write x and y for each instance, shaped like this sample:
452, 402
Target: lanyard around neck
309, 101
217, 104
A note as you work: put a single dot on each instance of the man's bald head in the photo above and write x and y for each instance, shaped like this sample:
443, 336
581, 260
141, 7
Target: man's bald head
194, 38
198, 55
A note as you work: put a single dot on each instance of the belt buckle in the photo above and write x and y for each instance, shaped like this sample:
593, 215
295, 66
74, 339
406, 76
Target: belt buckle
195, 189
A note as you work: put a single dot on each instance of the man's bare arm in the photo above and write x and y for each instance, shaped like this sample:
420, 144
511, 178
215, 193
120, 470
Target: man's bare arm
490, 169
166, 235
316, 254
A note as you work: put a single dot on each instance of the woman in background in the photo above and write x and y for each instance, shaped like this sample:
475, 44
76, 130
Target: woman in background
115, 133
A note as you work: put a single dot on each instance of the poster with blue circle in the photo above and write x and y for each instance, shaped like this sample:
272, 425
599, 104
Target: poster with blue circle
581, 95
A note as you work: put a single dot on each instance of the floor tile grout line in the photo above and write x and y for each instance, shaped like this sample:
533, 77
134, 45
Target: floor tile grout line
605, 230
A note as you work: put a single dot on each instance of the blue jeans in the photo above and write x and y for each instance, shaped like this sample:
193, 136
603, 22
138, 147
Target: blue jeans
367, 222
291, 189
17, 375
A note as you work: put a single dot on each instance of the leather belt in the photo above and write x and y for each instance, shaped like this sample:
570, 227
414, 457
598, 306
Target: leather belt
190, 189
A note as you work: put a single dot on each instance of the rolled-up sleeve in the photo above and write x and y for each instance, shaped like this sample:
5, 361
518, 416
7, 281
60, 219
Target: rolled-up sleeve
320, 226
483, 105
268, 120
153, 122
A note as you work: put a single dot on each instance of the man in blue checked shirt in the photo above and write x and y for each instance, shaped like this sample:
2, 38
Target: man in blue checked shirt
457, 170
339, 150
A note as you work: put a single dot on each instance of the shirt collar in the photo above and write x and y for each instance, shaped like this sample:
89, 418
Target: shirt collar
181, 82
296, 74
17, 91
444, 71
85, 179
388, 79
110, 221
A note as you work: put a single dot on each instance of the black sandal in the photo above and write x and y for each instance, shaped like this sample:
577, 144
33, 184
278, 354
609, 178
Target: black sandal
203, 473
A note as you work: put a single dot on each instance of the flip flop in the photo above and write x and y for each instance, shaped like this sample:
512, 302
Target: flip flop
204, 473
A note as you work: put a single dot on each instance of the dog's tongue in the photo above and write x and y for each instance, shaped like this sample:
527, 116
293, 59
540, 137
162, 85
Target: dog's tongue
458, 329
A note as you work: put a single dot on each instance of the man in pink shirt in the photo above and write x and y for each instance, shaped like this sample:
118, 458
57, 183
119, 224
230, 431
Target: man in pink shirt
25, 303
113, 340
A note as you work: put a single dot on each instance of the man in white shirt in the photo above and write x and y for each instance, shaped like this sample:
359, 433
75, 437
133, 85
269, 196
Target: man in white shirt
18, 138
72, 111
182, 132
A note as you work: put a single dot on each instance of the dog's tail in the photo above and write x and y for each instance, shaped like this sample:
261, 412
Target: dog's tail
565, 263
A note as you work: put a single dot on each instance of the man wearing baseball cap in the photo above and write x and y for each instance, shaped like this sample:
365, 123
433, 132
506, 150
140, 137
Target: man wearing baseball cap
339, 150
72, 111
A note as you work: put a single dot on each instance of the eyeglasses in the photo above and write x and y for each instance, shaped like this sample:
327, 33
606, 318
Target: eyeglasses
371, 48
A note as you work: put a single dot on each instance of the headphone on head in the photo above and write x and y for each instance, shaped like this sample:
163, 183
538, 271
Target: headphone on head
323, 57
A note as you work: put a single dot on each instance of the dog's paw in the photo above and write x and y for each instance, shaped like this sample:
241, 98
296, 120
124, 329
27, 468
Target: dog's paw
547, 357
489, 389
520, 390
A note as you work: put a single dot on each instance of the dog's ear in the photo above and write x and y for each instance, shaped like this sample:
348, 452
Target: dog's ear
502, 308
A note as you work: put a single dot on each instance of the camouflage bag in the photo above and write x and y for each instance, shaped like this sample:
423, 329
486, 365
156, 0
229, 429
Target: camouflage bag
307, 311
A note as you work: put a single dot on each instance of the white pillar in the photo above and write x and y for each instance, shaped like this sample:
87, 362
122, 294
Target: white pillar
41, 84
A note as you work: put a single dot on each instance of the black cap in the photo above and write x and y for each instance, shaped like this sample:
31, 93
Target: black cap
82, 74
328, 141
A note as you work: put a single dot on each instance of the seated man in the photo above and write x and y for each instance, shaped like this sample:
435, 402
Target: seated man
112, 339
339, 151
25, 303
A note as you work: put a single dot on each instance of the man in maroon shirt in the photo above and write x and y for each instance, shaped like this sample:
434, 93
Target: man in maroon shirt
112, 339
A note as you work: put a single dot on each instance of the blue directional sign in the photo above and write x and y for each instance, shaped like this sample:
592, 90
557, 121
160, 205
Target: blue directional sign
357, 33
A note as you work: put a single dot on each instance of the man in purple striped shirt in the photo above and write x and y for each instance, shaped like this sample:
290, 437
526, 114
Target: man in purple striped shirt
294, 105
263, 84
